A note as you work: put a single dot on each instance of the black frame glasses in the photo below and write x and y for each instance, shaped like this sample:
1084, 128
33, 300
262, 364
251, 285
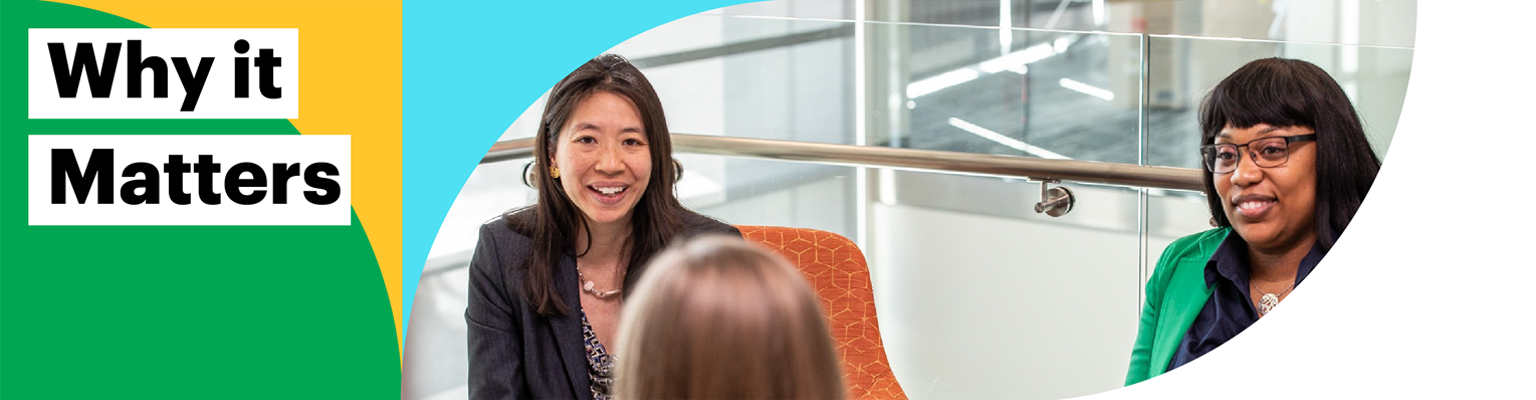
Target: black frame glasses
1209, 153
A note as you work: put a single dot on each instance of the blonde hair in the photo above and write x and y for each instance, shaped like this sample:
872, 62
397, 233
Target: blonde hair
719, 318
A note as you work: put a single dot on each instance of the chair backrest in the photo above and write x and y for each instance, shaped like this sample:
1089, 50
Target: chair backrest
837, 271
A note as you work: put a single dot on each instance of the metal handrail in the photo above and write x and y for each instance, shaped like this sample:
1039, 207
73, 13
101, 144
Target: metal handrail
946, 162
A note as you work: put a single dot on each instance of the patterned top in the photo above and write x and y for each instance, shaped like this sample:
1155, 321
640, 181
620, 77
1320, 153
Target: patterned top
599, 363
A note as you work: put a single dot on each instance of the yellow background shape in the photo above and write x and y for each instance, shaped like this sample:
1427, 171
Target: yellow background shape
349, 83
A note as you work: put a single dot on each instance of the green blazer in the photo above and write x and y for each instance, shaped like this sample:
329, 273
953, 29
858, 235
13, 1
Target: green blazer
1175, 295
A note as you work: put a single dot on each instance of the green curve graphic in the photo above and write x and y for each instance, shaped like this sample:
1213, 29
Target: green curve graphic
175, 311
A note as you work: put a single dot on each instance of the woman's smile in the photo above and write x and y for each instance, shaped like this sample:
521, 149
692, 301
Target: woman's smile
609, 194
1253, 206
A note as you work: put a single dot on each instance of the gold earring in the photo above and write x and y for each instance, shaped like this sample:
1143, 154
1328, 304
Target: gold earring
554, 172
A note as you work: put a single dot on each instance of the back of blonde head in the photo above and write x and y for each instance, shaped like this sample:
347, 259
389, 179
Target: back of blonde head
719, 318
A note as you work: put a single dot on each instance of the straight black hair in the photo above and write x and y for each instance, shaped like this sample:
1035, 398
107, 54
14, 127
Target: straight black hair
1286, 92
552, 222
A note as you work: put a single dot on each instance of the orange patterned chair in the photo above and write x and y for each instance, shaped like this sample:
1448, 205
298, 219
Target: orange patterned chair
837, 271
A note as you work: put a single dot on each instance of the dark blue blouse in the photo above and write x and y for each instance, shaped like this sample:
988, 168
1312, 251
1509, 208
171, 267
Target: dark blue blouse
1229, 310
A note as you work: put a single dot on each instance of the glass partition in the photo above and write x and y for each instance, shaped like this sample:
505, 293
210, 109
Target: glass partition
1030, 93
1183, 69
1027, 92
766, 78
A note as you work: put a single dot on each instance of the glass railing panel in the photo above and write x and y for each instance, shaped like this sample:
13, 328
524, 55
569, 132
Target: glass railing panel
824, 9
1033, 93
764, 78
1037, 93
1183, 70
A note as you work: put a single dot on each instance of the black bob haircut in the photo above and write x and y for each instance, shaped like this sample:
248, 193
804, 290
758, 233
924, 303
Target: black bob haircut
1285, 92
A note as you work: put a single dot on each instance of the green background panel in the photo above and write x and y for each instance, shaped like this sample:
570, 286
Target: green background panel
175, 311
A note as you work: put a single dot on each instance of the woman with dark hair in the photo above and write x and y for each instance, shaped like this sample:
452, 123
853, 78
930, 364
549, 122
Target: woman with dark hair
547, 281
1287, 165
717, 318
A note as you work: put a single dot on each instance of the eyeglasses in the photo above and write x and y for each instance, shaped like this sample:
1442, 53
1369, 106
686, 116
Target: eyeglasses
1267, 153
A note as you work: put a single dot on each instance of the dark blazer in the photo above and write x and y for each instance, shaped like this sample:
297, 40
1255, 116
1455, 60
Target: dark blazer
514, 352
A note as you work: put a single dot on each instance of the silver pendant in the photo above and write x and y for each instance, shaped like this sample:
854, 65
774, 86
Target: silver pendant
1268, 302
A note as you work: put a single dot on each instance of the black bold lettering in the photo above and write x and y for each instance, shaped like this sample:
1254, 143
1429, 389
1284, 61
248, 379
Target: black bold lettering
281, 172
243, 72
233, 182
331, 189
67, 169
205, 169
136, 66
68, 79
175, 168
150, 183
265, 63
193, 83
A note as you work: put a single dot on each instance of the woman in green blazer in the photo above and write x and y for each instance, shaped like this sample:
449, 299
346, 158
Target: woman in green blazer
1287, 165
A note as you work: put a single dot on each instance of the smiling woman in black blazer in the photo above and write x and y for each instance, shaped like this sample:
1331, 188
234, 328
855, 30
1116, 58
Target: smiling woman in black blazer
547, 281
